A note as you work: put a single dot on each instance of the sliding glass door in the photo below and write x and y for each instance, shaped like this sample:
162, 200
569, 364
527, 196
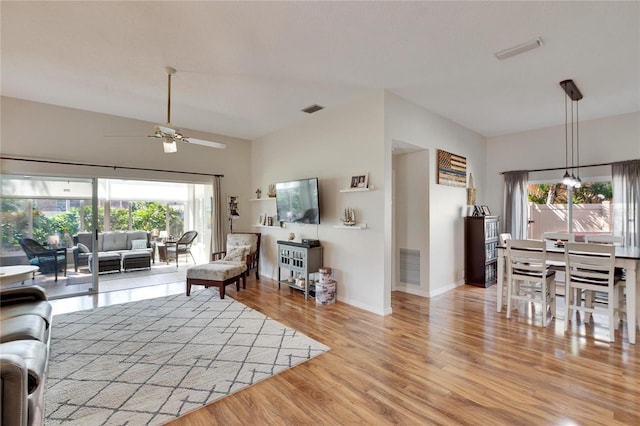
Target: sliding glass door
40, 216
66, 214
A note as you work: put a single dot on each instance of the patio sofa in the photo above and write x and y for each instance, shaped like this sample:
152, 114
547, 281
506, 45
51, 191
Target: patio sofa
25, 334
117, 251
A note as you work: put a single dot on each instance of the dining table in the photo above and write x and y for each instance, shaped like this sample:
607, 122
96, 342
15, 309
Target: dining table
627, 257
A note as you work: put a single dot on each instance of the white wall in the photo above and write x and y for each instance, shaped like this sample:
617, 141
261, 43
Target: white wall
601, 141
43, 131
414, 125
333, 145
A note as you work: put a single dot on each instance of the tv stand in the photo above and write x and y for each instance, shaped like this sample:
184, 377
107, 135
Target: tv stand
298, 258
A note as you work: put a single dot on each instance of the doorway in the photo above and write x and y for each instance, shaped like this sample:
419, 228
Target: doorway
410, 269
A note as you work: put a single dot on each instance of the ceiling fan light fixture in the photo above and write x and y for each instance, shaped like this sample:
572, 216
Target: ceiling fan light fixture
169, 146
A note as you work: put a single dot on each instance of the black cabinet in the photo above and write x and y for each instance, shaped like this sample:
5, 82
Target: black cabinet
481, 250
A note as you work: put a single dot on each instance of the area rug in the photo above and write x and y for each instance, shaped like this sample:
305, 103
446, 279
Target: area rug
151, 361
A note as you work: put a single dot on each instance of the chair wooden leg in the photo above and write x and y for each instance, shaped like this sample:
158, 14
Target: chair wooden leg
567, 305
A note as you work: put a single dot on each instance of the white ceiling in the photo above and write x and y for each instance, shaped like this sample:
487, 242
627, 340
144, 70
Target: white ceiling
247, 68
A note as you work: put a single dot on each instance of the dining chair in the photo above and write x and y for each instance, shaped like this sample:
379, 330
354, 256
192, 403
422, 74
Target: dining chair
590, 268
559, 236
502, 238
502, 241
605, 239
597, 298
529, 279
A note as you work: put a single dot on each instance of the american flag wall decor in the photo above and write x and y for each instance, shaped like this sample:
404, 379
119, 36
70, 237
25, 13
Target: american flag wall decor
452, 169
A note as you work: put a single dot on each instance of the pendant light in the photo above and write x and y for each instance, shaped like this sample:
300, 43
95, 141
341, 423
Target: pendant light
571, 92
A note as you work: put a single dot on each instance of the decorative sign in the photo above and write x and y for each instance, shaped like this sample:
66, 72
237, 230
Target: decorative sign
452, 169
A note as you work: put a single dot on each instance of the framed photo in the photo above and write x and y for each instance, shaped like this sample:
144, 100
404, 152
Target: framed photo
359, 181
486, 211
261, 219
477, 211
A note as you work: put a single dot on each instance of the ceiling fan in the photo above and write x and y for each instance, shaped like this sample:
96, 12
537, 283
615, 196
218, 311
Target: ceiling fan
169, 134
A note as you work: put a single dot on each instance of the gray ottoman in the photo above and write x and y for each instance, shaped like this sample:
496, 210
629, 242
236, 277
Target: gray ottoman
136, 259
107, 262
217, 275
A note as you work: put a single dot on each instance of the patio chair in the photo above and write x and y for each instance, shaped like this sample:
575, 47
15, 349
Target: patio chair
182, 246
48, 260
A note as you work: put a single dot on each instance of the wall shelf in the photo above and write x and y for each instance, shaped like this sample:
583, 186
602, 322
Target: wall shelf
263, 199
356, 189
359, 226
266, 226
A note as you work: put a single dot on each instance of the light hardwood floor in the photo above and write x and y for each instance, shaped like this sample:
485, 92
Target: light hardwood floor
451, 359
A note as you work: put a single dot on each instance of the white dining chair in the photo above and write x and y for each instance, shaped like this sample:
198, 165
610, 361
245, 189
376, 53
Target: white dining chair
564, 237
529, 278
590, 268
616, 240
502, 238
502, 241
598, 299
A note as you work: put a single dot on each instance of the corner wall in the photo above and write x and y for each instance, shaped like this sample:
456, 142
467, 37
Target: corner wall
446, 207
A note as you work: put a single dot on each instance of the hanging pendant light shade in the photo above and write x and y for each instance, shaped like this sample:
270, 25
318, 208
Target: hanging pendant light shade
571, 92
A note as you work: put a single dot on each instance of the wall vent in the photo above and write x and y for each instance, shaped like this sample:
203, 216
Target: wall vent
410, 266
312, 108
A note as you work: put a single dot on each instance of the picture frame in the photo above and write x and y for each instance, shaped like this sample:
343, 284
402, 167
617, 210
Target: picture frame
261, 219
486, 211
477, 211
359, 181
452, 169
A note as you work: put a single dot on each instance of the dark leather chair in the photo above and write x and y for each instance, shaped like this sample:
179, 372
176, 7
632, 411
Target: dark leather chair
50, 261
182, 246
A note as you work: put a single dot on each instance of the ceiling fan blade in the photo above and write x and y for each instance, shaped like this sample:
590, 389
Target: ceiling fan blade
209, 144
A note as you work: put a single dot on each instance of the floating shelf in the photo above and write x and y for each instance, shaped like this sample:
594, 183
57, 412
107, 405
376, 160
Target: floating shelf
356, 189
266, 226
360, 226
263, 199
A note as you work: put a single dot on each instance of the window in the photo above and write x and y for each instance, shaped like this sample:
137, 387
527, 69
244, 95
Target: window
554, 208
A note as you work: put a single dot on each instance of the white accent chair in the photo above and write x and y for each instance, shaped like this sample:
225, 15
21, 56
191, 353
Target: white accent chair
529, 278
247, 240
590, 268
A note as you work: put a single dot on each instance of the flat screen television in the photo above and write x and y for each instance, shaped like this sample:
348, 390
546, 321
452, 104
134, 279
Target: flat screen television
298, 201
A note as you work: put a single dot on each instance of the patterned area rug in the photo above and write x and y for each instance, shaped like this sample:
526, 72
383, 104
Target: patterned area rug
151, 361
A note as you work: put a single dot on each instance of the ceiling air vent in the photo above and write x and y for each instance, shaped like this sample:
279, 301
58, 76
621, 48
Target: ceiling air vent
312, 108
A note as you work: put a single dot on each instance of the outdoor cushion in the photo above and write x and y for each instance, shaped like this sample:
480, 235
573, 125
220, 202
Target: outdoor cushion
83, 248
136, 235
138, 244
114, 241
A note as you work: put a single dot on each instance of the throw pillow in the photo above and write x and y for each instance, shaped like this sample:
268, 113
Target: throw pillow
83, 249
237, 254
138, 244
